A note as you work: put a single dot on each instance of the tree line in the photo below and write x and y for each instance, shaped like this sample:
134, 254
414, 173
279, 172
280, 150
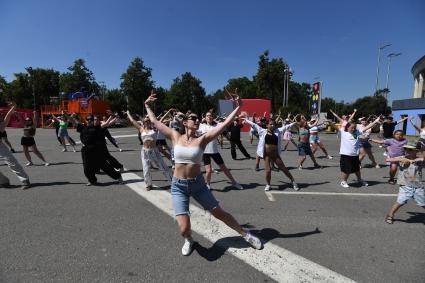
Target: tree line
41, 86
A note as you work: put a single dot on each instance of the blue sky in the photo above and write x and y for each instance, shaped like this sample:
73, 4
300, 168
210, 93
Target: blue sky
218, 40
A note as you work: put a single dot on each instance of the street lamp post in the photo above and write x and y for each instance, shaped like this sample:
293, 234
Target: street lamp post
287, 86
377, 67
390, 57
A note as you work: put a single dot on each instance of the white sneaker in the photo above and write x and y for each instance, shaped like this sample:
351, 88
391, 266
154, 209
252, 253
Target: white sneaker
187, 246
330, 157
295, 186
120, 150
300, 167
46, 164
216, 171
267, 188
363, 183
254, 241
29, 164
237, 186
74, 150
344, 184
64, 150
208, 187
385, 154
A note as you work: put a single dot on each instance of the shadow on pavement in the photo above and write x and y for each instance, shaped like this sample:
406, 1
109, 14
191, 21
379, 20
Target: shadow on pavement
229, 188
415, 217
218, 249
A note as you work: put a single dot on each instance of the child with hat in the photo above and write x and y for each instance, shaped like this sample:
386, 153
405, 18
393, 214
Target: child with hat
409, 179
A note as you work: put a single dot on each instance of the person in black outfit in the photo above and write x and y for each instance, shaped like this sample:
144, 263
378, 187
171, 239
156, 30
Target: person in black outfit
235, 139
93, 152
389, 125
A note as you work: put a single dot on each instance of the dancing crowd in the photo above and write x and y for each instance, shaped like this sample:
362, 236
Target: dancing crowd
195, 140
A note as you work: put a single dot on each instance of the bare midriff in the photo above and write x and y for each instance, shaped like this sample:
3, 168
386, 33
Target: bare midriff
187, 170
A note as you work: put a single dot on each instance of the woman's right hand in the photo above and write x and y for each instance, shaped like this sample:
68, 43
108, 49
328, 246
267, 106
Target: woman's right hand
151, 98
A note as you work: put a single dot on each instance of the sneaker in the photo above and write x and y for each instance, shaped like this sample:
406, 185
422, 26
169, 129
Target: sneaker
120, 150
267, 188
330, 157
64, 150
254, 241
187, 246
12, 150
237, 186
344, 184
208, 187
91, 184
385, 154
216, 171
148, 188
300, 167
74, 150
26, 185
257, 168
363, 183
295, 186
377, 166
29, 164
46, 164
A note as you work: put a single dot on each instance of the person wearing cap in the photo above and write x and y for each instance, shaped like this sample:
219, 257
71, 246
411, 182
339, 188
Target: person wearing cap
27, 140
365, 146
409, 178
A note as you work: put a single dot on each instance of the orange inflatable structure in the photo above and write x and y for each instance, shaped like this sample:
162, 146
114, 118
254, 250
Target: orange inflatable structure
81, 106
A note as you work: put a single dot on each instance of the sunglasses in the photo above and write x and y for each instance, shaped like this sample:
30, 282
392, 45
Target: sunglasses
193, 118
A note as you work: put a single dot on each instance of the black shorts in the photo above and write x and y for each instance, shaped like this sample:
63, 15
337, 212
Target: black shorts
161, 142
27, 141
3, 134
215, 156
349, 164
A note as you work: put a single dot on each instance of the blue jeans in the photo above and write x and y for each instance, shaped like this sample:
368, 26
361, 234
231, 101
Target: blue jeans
405, 193
183, 189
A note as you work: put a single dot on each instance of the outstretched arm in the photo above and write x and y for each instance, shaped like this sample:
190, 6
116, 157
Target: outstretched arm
168, 132
216, 131
370, 126
132, 121
402, 120
413, 124
336, 116
9, 114
352, 115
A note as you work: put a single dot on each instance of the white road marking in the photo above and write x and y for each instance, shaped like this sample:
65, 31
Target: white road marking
274, 261
332, 194
270, 196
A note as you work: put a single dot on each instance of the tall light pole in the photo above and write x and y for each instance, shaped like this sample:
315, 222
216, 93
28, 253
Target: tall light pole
288, 72
377, 66
390, 57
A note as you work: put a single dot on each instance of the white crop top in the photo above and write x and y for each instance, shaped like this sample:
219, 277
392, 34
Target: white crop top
149, 136
188, 154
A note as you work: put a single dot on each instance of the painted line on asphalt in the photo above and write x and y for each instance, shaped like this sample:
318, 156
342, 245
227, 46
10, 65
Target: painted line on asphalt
331, 194
274, 261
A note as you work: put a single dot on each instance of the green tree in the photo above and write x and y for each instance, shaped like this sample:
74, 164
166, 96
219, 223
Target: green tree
187, 93
4, 90
117, 99
78, 77
269, 79
20, 92
246, 87
371, 105
44, 84
137, 84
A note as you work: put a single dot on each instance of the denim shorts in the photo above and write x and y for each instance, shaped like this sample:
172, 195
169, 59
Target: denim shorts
304, 149
182, 189
405, 193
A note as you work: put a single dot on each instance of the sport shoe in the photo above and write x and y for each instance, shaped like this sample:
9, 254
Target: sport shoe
121, 169
216, 171
120, 150
237, 186
74, 150
363, 183
29, 164
295, 186
64, 150
344, 184
377, 166
267, 188
330, 157
208, 187
254, 241
300, 167
385, 154
46, 164
25, 185
187, 246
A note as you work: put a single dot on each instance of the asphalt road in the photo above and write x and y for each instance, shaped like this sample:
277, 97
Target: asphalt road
60, 230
